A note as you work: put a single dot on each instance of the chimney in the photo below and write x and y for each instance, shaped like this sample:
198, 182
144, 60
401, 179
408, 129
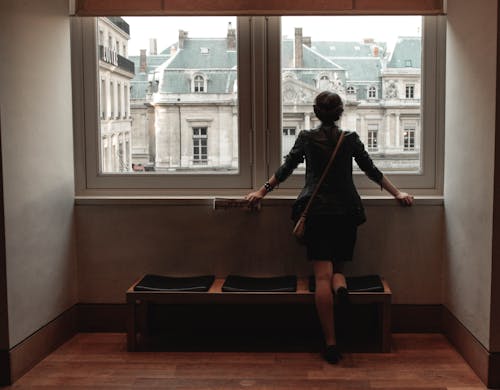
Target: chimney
231, 37
153, 48
182, 37
306, 41
298, 55
143, 61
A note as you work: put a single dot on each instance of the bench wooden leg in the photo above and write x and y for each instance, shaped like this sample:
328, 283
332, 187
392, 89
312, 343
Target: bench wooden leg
385, 324
131, 327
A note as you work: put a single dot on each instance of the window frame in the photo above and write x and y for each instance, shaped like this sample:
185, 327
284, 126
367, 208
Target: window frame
89, 179
429, 180
260, 122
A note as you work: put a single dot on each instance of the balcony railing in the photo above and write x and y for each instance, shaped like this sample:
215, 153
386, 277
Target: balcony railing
110, 56
126, 64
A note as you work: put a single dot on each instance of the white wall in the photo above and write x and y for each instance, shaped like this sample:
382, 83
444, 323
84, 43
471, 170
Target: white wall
37, 153
469, 161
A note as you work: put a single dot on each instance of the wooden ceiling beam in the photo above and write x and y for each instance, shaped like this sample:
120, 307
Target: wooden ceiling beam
257, 7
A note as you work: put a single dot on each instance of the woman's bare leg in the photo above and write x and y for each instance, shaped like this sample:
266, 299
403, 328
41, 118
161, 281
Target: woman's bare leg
323, 297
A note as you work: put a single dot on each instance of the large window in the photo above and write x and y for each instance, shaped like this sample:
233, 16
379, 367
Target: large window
376, 64
217, 102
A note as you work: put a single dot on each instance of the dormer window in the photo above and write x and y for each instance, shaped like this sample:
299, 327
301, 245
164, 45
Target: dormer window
199, 84
372, 92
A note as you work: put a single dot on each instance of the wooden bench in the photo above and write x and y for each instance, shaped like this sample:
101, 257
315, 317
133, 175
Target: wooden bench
136, 299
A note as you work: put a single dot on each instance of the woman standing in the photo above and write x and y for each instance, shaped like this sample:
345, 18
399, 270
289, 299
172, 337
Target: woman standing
336, 211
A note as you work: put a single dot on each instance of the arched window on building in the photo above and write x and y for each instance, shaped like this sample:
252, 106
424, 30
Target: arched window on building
324, 83
372, 92
199, 84
350, 90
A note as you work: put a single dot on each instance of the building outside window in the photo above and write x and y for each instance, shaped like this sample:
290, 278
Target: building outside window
102, 100
200, 145
324, 83
288, 138
372, 92
372, 143
409, 138
119, 99
410, 91
111, 100
199, 83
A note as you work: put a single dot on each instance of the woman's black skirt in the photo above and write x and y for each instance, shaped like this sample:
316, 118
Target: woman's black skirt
330, 237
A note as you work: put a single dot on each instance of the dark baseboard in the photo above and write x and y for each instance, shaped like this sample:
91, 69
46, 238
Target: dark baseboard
485, 364
494, 370
24, 356
5, 368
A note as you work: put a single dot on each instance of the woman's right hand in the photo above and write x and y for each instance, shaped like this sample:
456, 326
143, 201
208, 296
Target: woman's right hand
254, 198
404, 198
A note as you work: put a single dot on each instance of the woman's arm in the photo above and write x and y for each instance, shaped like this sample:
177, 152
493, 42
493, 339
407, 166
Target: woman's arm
403, 198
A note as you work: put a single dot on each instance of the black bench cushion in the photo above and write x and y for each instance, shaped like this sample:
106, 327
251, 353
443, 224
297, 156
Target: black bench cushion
170, 283
237, 283
365, 283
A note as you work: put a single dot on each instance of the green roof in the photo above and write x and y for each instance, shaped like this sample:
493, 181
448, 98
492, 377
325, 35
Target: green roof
332, 49
310, 58
201, 53
152, 62
407, 53
361, 69
179, 81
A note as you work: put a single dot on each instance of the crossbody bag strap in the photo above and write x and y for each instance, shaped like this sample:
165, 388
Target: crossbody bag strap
325, 172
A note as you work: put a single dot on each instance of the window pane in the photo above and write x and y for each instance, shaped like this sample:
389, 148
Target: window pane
169, 96
374, 64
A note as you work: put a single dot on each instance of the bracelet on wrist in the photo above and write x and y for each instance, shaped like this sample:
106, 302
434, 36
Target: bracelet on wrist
268, 186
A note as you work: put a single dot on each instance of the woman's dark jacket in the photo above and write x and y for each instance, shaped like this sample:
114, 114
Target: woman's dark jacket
337, 194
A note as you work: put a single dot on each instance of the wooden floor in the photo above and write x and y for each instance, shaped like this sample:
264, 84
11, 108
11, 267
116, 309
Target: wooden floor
100, 361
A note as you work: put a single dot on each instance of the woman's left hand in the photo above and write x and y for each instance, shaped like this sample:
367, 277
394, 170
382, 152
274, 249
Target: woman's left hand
404, 199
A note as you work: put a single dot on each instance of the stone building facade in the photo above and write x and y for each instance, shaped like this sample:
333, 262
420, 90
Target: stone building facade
115, 75
185, 109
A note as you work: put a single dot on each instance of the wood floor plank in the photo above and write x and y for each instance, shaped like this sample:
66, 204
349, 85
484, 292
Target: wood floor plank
100, 361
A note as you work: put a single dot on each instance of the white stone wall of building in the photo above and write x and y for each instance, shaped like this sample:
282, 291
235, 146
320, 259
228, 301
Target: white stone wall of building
112, 37
114, 102
174, 135
140, 135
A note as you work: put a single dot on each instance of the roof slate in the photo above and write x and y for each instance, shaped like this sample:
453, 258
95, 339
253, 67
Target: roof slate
407, 49
191, 57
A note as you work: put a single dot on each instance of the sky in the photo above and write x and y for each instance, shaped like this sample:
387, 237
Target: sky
319, 28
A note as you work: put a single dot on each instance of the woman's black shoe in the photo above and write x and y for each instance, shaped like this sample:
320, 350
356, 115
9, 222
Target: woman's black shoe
332, 354
343, 297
